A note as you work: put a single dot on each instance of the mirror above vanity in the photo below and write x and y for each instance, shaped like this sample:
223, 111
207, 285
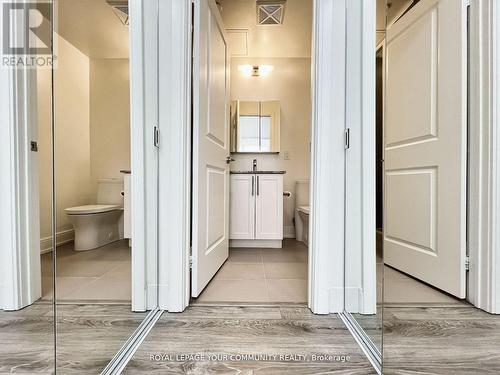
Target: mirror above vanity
255, 126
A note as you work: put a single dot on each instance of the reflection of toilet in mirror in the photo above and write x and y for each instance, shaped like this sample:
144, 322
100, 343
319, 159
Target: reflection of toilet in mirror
100, 224
302, 210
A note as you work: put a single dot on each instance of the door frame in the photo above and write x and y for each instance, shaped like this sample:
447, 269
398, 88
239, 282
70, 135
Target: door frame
175, 40
144, 155
326, 262
484, 163
360, 175
20, 265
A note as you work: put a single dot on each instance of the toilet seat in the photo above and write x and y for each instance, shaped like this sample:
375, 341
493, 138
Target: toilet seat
304, 209
92, 209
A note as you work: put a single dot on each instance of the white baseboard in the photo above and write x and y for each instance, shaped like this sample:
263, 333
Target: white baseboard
275, 244
3, 296
288, 231
62, 237
353, 299
152, 295
336, 300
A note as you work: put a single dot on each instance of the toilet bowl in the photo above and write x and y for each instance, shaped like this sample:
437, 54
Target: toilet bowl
303, 213
102, 223
302, 210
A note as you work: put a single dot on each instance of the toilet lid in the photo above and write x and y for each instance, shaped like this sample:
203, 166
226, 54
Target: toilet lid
92, 209
304, 209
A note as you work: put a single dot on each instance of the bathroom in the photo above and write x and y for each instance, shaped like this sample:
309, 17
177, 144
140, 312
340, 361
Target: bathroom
91, 140
270, 134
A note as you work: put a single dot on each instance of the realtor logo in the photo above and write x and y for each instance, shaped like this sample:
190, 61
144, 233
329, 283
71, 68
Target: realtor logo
27, 34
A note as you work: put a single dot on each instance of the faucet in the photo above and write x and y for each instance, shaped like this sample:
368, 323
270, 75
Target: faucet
255, 165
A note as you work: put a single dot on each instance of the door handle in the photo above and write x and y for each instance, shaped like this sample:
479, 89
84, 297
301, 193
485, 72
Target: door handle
253, 185
258, 185
229, 159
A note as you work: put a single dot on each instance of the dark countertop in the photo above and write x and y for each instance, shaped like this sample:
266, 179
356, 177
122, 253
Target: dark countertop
258, 172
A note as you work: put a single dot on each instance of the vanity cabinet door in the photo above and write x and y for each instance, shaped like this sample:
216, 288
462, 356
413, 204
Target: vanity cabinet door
269, 207
242, 207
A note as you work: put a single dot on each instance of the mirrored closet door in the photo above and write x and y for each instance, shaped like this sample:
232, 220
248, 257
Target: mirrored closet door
78, 262
27, 311
104, 285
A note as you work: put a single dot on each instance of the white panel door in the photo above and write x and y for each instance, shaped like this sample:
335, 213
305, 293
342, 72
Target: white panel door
242, 207
269, 207
425, 145
210, 145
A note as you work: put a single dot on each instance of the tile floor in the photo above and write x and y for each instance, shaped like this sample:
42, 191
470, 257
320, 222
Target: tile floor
400, 288
103, 274
261, 275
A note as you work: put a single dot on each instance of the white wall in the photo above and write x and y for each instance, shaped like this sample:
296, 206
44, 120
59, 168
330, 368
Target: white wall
72, 139
290, 83
109, 118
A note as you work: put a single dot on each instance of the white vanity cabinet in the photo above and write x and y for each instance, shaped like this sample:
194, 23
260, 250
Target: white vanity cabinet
256, 210
242, 207
269, 207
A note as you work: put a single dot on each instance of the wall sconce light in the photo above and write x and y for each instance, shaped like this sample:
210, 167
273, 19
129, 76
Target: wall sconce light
255, 70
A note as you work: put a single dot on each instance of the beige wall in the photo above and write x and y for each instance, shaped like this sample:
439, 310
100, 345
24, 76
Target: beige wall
72, 136
92, 130
290, 83
292, 39
91, 110
109, 118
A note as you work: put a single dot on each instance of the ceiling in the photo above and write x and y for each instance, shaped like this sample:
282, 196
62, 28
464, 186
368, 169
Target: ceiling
292, 39
395, 9
93, 28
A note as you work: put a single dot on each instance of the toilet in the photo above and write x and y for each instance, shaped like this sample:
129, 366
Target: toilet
99, 224
302, 210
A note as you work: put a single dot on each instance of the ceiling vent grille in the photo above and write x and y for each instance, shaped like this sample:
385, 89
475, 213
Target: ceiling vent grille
120, 7
270, 12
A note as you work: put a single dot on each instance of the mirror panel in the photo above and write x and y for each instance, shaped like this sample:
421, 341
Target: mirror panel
255, 127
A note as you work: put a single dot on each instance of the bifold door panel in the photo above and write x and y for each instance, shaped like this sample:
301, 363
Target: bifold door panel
425, 145
210, 145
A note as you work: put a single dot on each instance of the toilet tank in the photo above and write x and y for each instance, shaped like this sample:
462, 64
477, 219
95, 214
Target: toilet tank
301, 193
109, 191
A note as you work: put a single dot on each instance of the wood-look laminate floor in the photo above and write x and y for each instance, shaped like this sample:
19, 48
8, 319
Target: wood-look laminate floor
88, 336
238, 330
445, 339
27, 340
457, 339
